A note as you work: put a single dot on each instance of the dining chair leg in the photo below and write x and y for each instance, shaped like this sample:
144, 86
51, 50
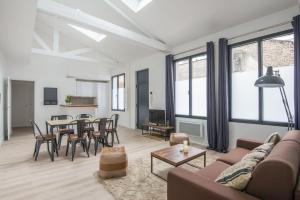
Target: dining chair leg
73, 150
117, 136
34, 149
37, 150
67, 150
48, 148
89, 143
112, 139
96, 146
82, 144
103, 141
59, 140
85, 146
55, 146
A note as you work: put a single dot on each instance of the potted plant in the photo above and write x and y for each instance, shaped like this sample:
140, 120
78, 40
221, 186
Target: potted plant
68, 100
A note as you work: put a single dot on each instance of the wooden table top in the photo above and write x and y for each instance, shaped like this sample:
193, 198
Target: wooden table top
175, 157
71, 121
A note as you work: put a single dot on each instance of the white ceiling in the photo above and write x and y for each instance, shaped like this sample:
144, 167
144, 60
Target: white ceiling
17, 22
171, 21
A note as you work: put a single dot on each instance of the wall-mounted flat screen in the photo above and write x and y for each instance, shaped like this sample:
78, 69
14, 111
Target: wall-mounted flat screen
50, 96
157, 116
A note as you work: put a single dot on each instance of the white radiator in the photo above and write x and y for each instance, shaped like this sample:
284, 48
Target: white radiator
194, 129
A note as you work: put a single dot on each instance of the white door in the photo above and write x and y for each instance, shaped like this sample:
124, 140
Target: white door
22, 103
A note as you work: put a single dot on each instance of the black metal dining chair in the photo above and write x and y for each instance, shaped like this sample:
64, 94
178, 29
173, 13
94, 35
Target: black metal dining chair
89, 126
41, 138
100, 135
80, 137
112, 128
63, 130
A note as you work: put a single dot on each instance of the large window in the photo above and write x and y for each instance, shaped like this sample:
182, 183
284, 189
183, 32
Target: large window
190, 86
249, 60
118, 92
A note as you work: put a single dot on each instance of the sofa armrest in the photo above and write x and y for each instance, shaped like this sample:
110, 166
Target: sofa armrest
183, 184
248, 144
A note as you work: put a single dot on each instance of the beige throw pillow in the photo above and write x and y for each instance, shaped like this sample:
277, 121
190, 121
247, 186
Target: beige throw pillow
238, 175
273, 138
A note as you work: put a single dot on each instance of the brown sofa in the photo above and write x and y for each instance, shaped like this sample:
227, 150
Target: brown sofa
274, 178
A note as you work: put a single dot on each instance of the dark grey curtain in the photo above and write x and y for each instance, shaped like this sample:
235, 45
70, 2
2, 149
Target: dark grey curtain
223, 121
211, 97
170, 90
296, 25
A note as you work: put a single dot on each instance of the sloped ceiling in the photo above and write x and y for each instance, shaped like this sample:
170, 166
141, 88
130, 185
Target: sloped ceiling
173, 22
17, 19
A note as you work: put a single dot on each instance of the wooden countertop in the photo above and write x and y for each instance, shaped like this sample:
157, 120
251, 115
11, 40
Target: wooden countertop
80, 106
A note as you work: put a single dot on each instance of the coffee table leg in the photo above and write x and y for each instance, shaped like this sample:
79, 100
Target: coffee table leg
151, 164
204, 160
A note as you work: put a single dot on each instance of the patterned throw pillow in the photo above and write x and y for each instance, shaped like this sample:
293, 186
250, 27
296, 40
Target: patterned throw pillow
238, 175
264, 148
259, 153
273, 138
255, 155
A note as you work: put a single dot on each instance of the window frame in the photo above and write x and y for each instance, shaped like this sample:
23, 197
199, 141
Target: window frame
259, 41
112, 95
189, 58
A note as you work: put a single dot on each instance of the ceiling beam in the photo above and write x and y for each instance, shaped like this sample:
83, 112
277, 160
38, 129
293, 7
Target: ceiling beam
40, 41
131, 21
61, 55
77, 52
61, 10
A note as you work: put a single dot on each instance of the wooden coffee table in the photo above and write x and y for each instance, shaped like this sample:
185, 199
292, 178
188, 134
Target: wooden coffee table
173, 156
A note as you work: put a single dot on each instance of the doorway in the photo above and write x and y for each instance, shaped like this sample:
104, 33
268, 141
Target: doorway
142, 91
22, 103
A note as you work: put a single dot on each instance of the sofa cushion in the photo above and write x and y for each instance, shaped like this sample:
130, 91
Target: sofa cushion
213, 170
234, 156
292, 136
238, 175
276, 176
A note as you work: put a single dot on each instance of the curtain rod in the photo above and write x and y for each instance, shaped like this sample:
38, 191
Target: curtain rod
238, 36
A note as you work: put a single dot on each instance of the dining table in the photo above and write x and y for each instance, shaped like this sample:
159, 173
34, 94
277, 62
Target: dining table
52, 124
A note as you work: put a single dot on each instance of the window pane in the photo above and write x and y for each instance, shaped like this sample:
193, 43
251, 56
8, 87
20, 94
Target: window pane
121, 92
279, 53
199, 86
244, 74
115, 93
182, 87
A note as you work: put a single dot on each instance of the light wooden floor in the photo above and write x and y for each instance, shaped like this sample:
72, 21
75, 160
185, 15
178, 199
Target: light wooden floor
23, 178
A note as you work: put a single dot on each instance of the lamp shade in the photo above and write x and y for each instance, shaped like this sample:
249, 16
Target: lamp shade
269, 80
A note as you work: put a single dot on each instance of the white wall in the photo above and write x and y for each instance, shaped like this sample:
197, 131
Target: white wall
125, 117
242, 130
48, 71
156, 65
2, 79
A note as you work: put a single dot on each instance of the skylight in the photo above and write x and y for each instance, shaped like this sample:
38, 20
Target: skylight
136, 5
91, 34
